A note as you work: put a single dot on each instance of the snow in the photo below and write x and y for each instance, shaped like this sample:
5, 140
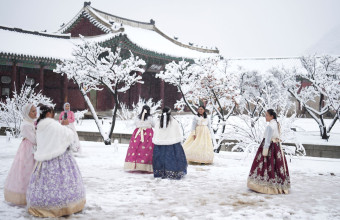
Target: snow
308, 132
307, 129
150, 39
50, 47
215, 191
153, 41
121, 127
18, 43
34, 45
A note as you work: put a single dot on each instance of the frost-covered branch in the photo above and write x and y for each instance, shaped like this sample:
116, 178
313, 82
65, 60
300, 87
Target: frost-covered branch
11, 108
94, 67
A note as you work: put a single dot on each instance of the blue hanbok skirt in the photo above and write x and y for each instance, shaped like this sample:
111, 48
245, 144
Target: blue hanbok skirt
169, 161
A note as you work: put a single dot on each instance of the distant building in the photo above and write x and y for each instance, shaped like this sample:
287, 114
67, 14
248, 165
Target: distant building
33, 55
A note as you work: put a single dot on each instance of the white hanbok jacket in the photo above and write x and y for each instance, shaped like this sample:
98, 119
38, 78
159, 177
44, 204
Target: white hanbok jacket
271, 133
27, 131
168, 135
53, 139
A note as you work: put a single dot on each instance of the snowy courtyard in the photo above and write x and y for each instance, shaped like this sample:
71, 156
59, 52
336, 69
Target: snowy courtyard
221, 76
216, 191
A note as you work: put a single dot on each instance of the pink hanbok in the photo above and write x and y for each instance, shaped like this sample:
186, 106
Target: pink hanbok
140, 151
20, 173
75, 146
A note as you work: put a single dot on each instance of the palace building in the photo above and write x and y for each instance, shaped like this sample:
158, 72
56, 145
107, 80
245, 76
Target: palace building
30, 57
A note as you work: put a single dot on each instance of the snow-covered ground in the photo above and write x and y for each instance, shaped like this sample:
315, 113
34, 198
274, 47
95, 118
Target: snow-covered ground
307, 130
215, 191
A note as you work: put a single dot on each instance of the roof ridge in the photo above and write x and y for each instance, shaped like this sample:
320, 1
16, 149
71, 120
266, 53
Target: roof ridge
66, 26
148, 26
20, 30
151, 23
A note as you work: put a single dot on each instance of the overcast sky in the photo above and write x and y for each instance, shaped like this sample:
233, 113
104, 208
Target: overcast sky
239, 28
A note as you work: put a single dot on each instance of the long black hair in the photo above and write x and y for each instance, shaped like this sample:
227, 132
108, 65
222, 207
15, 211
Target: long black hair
166, 112
271, 112
44, 109
147, 114
204, 113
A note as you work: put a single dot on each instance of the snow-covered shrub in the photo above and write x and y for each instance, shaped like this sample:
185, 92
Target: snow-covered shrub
11, 108
79, 115
125, 114
154, 106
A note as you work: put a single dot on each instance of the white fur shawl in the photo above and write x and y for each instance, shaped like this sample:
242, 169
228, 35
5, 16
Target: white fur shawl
52, 139
167, 136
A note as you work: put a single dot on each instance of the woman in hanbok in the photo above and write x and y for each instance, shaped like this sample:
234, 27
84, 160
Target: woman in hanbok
269, 172
169, 159
19, 175
139, 153
198, 147
68, 115
56, 187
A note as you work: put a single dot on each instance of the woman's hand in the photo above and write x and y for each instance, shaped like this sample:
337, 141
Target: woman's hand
265, 152
65, 122
194, 137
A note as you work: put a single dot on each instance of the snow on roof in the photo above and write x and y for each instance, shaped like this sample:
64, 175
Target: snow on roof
60, 46
27, 44
151, 40
17, 43
145, 35
30, 44
148, 38
21, 43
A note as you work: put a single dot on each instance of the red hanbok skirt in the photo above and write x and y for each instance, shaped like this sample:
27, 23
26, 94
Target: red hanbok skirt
269, 174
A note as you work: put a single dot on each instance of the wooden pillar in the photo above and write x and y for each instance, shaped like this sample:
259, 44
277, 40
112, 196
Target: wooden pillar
65, 88
162, 92
15, 83
41, 79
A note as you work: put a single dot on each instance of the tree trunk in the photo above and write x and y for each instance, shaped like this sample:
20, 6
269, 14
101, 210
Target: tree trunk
114, 115
324, 134
106, 139
335, 119
323, 129
185, 101
320, 121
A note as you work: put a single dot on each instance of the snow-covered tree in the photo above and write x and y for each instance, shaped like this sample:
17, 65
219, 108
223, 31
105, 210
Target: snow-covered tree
184, 77
218, 87
208, 81
11, 108
95, 67
322, 76
332, 86
259, 92
205, 80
